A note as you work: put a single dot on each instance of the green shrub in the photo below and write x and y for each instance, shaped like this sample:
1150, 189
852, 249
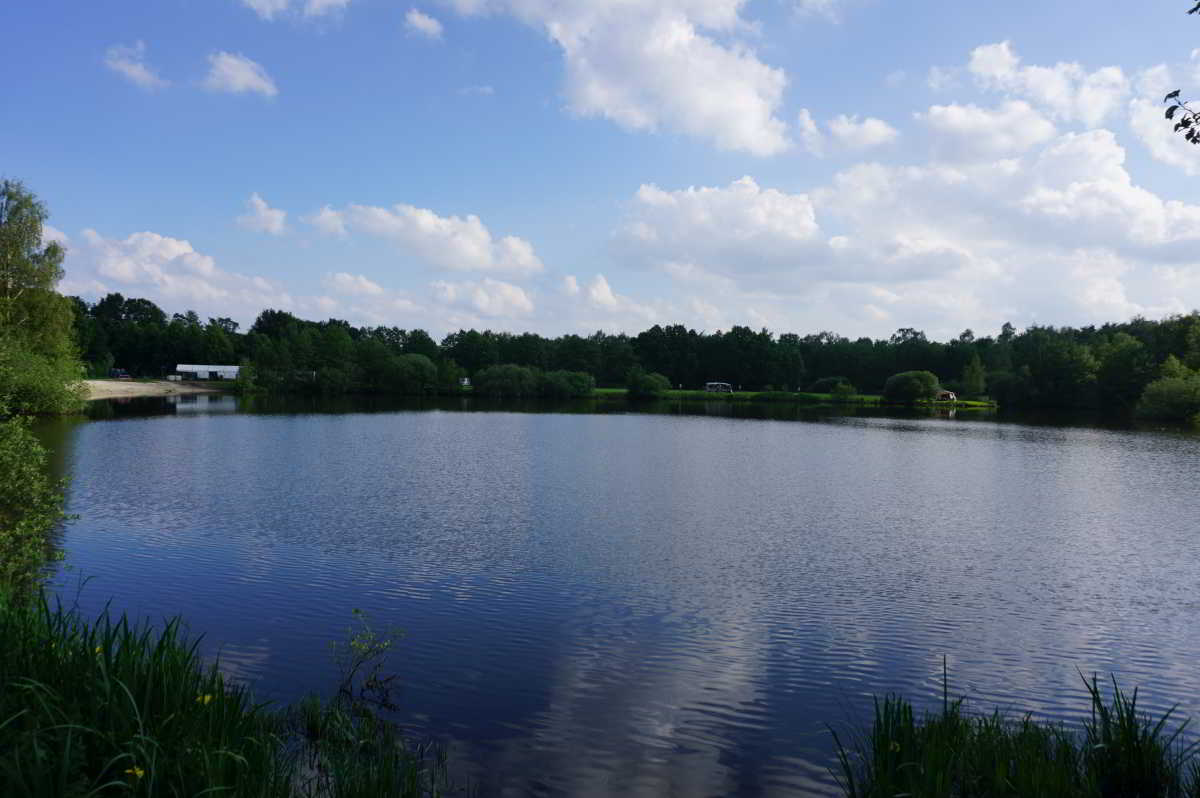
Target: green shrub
246, 383
30, 507
566, 384
414, 375
642, 385
450, 376
828, 384
36, 384
1171, 399
508, 381
909, 387
843, 392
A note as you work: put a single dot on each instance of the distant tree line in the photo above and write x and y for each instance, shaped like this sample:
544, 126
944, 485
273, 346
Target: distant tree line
1106, 368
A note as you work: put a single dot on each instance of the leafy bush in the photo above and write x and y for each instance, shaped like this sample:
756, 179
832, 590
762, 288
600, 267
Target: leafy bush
36, 384
566, 384
828, 384
844, 392
414, 375
642, 385
506, 381
1173, 367
333, 380
246, 383
30, 506
909, 387
450, 376
1171, 399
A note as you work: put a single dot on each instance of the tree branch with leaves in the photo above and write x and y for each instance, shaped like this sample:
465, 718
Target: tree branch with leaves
1182, 114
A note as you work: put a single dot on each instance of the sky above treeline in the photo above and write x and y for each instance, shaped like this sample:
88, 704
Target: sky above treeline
574, 165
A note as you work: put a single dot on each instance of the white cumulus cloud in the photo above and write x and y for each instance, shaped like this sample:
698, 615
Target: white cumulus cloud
168, 271
237, 74
327, 221
1159, 137
1156, 133
422, 24
352, 284
456, 243
598, 306
855, 134
741, 226
650, 64
262, 218
50, 233
1051, 228
810, 135
968, 132
1067, 90
316, 8
941, 79
487, 297
825, 8
267, 9
130, 63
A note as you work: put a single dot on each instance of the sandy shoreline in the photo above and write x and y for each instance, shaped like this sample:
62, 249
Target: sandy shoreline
124, 389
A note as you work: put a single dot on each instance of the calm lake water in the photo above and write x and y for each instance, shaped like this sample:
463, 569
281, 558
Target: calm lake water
649, 604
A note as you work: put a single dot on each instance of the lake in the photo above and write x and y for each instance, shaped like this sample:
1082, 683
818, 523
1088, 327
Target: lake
676, 602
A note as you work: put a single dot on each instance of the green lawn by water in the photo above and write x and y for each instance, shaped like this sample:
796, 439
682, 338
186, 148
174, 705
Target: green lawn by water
799, 397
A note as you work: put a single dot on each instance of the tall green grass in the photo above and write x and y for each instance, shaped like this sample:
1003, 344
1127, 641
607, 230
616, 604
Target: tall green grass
112, 708
1120, 753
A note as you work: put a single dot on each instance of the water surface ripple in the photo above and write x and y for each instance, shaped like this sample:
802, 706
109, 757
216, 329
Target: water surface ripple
639, 605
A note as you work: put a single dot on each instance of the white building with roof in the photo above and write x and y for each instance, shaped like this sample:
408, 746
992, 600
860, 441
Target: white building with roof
191, 371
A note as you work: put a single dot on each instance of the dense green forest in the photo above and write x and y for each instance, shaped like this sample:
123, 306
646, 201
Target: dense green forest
1106, 368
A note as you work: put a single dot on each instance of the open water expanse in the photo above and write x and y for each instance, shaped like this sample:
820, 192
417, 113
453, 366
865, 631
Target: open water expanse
649, 604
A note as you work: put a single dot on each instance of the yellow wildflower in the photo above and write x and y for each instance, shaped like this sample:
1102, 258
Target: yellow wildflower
135, 771
97, 649
205, 699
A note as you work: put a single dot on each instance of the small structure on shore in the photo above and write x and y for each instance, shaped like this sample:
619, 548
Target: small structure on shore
717, 387
190, 371
947, 396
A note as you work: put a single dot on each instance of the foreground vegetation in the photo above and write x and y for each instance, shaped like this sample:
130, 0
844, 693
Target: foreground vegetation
110, 708
1121, 753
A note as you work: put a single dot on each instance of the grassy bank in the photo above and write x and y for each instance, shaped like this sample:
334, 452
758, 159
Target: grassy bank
799, 397
110, 708
1119, 753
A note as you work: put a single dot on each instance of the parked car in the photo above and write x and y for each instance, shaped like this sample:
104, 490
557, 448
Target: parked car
119, 374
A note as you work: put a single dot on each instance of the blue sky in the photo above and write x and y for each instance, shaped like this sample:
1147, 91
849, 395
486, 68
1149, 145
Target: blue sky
573, 165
